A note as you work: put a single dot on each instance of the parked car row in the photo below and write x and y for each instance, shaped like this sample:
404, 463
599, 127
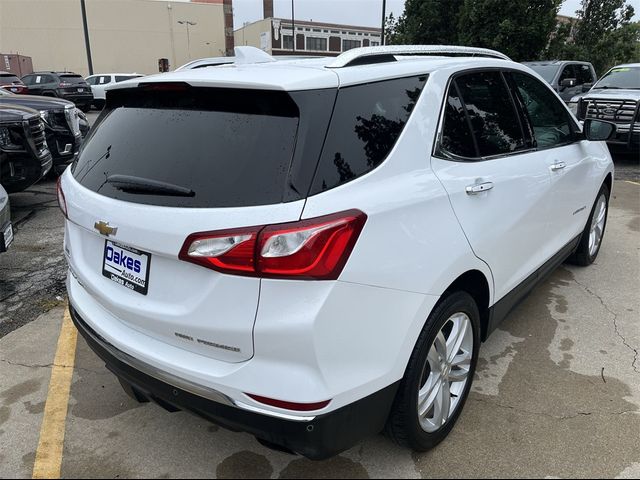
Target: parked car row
67, 85
24, 154
100, 82
37, 134
615, 97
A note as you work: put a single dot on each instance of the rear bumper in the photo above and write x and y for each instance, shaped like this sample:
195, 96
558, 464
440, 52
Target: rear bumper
78, 98
315, 437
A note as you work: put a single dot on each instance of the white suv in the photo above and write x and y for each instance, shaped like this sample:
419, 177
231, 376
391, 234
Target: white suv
100, 82
312, 250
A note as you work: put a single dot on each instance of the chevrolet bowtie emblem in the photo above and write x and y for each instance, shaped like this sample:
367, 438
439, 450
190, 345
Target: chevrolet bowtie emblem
105, 229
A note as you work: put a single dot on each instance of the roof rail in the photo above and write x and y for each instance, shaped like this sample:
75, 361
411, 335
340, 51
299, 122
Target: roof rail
368, 55
244, 55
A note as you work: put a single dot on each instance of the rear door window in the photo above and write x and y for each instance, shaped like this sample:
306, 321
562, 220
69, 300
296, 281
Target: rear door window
367, 120
494, 119
231, 147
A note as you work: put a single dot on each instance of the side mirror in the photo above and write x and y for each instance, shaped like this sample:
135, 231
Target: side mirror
599, 130
586, 87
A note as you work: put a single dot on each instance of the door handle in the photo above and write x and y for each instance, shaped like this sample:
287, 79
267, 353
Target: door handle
558, 166
478, 188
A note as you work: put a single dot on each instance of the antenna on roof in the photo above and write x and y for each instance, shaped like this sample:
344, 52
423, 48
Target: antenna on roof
245, 55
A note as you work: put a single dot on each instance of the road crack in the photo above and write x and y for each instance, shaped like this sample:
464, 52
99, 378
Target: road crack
634, 363
46, 365
548, 415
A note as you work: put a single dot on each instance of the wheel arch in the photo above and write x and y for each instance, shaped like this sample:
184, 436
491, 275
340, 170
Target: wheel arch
476, 284
608, 181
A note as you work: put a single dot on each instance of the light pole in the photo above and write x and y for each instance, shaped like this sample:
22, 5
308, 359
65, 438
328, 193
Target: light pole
87, 43
188, 23
293, 27
384, 19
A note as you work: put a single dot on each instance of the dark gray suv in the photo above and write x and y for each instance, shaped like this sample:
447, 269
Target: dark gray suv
67, 85
568, 78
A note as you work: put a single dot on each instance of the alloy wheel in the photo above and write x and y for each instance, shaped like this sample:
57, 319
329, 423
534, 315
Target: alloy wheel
446, 372
597, 225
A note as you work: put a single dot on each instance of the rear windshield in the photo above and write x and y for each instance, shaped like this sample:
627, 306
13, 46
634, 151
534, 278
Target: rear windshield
72, 78
230, 147
8, 78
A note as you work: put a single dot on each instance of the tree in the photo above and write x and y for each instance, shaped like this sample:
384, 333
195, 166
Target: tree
603, 35
599, 18
518, 28
426, 22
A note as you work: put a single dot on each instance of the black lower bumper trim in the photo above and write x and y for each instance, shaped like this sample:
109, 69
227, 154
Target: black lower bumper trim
323, 437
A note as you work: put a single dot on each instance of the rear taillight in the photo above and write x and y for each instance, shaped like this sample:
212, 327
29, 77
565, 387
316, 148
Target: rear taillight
316, 248
62, 202
230, 251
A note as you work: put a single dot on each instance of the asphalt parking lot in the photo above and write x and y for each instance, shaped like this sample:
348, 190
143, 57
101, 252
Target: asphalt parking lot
557, 392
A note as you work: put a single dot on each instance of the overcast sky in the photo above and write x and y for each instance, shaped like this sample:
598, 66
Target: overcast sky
354, 12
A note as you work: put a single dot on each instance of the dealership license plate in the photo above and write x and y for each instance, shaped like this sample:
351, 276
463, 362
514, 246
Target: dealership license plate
126, 266
8, 236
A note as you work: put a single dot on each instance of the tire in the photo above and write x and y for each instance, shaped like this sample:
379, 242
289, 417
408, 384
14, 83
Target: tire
85, 107
98, 104
404, 425
586, 254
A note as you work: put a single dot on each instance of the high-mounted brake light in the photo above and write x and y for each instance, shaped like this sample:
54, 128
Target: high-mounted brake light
316, 248
62, 202
164, 86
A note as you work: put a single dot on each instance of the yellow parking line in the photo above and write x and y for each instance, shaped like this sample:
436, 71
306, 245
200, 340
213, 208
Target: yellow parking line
634, 183
49, 453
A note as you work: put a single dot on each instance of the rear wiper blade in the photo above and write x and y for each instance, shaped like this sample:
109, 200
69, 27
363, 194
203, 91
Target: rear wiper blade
130, 184
606, 87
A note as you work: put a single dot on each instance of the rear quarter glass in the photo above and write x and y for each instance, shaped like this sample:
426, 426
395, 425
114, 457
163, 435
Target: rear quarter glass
232, 147
366, 123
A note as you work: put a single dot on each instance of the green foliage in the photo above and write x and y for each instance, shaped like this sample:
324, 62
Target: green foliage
425, 22
603, 35
518, 28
